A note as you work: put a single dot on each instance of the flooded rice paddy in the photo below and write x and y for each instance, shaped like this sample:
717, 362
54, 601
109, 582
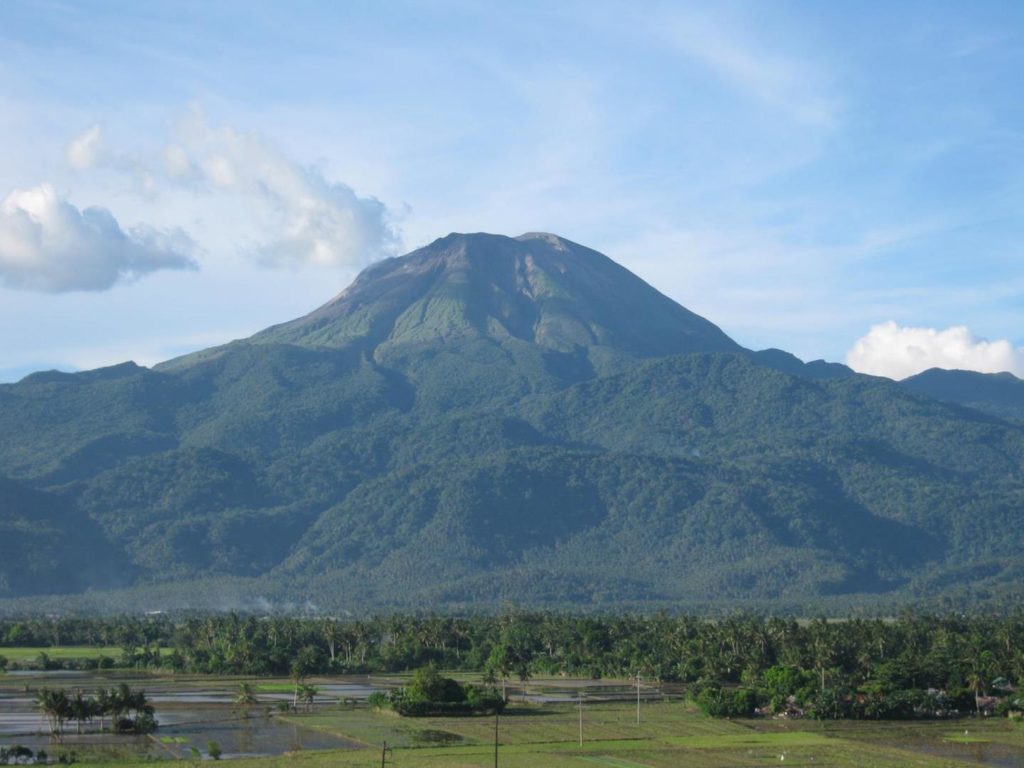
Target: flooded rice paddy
191, 713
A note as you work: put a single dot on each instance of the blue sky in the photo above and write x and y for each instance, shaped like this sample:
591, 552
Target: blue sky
842, 180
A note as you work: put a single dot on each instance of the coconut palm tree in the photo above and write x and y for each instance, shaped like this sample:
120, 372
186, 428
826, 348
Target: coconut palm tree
307, 695
81, 708
246, 694
501, 666
331, 633
139, 704
56, 707
120, 704
978, 670
128, 706
103, 699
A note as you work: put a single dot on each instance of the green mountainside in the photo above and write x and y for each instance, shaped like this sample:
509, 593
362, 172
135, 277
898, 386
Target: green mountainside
493, 419
999, 394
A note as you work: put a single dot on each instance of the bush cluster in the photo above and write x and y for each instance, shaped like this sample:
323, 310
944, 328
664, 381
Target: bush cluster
429, 694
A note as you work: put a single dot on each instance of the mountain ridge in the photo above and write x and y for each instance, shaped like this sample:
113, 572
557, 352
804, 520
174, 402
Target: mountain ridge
998, 394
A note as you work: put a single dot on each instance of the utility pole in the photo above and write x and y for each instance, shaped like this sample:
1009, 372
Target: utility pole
638, 698
581, 719
495, 738
384, 752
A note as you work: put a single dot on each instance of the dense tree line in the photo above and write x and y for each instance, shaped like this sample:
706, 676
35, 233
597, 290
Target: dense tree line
913, 665
122, 631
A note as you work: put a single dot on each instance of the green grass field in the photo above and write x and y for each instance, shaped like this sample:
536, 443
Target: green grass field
275, 687
670, 734
79, 652
20, 654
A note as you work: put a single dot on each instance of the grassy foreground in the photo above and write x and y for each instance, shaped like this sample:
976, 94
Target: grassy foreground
670, 734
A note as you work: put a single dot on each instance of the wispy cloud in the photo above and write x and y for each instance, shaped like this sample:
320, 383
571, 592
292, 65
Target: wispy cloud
307, 219
301, 216
84, 151
88, 150
785, 171
769, 75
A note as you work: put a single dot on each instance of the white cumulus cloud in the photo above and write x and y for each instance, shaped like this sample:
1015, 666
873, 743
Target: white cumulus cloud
178, 165
305, 218
897, 352
47, 244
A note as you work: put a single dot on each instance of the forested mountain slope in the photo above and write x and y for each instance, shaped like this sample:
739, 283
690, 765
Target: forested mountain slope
999, 394
491, 419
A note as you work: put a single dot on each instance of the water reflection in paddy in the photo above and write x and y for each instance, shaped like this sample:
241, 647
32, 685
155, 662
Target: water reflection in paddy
191, 712
252, 736
935, 738
991, 753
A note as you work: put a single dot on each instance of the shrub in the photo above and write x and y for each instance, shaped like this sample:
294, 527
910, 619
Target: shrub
428, 685
1011, 706
716, 702
145, 723
830, 704
45, 663
17, 753
484, 699
779, 683
430, 694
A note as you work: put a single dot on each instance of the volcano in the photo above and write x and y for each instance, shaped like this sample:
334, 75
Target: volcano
491, 419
